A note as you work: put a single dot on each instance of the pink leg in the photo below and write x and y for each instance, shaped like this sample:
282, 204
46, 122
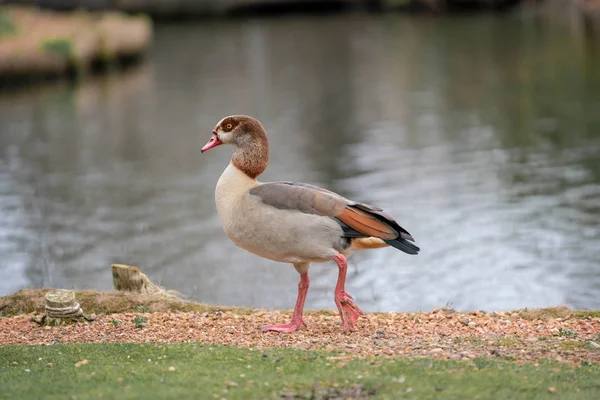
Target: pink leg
297, 321
349, 311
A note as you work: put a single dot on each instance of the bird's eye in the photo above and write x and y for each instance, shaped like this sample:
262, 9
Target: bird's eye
229, 126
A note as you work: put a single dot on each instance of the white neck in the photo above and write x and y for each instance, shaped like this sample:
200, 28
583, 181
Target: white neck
232, 185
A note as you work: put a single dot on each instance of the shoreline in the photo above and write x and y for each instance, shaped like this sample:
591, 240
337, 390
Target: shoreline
529, 335
37, 43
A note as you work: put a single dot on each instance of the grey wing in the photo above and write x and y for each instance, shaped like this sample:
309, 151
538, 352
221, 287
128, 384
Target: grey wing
355, 219
306, 198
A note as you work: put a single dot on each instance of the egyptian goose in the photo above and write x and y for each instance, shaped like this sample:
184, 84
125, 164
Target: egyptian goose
292, 222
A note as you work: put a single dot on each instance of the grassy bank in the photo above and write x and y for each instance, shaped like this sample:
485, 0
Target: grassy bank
188, 370
27, 301
32, 301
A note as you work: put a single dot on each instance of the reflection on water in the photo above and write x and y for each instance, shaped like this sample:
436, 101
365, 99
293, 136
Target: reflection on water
480, 135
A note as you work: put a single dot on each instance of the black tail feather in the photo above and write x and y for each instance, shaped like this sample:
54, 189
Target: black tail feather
404, 245
403, 242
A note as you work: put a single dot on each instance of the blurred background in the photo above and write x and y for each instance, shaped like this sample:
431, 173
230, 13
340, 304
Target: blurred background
476, 124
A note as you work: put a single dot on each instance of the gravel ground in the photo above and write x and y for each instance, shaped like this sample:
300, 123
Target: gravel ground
442, 334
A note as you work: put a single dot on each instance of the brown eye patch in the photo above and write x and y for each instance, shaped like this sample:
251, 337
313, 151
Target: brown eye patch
228, 125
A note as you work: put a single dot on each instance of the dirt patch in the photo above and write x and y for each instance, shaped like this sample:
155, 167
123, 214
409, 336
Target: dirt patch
356, 392
441, 334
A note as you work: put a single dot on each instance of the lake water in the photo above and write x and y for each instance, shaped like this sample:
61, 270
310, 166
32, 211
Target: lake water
480, 135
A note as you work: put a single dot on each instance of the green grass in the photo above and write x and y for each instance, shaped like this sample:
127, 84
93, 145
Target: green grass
508, 341
140, 322
7, 26
60, 46
556, 312
572, 345
469, 339
567, 333
182, 371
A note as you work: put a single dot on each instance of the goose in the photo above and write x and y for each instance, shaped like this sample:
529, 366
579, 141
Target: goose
292, 222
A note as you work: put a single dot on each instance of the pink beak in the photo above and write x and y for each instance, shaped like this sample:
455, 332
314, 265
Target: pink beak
213, 142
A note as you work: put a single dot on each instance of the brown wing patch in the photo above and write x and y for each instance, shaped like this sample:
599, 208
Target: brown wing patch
367, 224
329, 204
